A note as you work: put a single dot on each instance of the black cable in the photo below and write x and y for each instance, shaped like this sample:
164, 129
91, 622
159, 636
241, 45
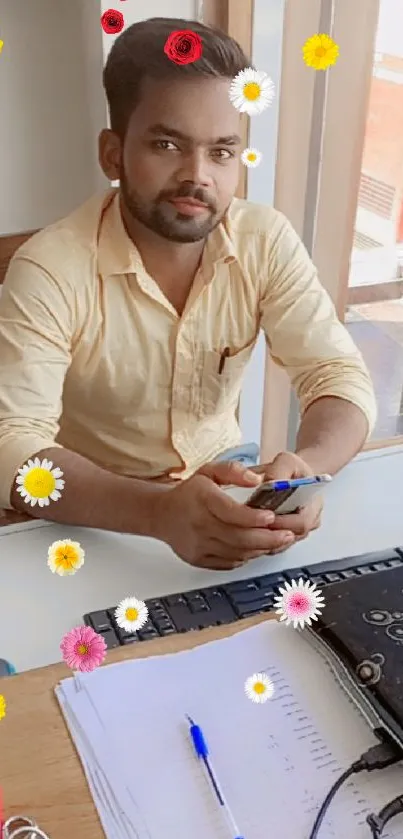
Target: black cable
378, 822
380, 756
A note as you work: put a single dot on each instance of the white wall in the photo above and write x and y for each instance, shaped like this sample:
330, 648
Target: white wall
134, 11
47, 156
53, 107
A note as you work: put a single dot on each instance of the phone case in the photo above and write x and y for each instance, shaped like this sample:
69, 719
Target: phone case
283, 501
280, 501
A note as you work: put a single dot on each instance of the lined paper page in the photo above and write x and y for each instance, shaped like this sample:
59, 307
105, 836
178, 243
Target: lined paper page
275, 761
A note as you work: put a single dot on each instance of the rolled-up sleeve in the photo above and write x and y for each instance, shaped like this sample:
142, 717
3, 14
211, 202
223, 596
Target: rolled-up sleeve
35, 351
303, 332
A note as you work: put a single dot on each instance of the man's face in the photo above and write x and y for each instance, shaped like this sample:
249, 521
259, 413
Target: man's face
182, 147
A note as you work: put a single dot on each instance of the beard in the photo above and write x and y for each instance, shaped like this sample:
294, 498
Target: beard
164, 219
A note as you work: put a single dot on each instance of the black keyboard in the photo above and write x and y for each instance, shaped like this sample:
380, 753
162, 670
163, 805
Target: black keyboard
223, 604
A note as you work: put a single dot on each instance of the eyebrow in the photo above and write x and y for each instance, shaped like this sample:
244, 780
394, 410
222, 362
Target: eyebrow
159, 128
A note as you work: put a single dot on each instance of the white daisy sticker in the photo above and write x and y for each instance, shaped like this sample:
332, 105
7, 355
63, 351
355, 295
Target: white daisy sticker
259, 688
251, 91
39, 483
299, 603
251, 157
65, 557
131, 614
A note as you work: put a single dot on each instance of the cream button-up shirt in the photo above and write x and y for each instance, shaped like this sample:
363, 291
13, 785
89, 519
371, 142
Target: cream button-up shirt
94, 358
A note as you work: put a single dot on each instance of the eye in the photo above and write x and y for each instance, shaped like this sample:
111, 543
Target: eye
165, 145
223, 154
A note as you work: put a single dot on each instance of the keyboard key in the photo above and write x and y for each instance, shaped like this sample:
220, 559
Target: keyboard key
333, 578
175, 600
295, 574
155, 603
130, 639
199, 607
158, 615
271, 580
251, 596
168, 630
111, 639
242, 585
249, 609
195, 597
163, 624
147, 634
348, 562
125, 636
100, 621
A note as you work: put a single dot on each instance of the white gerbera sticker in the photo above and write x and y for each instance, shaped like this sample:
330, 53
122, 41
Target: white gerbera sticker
251, 157
131, 614
299, 603
251, 91
259, 688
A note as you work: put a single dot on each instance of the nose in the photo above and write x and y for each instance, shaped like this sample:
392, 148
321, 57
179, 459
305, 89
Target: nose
195, 168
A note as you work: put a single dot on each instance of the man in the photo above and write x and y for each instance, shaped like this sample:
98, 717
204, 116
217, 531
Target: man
125, 328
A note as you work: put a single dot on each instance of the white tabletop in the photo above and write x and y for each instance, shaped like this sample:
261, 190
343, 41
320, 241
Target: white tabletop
363, 513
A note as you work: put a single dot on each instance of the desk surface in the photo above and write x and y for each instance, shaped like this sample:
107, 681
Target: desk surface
363, 513
40, 772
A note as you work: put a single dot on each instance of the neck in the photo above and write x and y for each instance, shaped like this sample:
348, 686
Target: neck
159, 255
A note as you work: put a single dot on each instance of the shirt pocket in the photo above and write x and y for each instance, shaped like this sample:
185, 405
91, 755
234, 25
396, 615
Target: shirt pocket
220, 392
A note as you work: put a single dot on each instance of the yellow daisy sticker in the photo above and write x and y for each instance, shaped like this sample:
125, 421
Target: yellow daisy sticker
39, 483
320, 52
3, 706
65, 557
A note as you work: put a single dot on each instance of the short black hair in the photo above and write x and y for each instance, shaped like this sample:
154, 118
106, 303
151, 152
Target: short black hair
138, 54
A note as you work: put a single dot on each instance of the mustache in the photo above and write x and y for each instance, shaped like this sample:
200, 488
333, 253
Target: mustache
189, 192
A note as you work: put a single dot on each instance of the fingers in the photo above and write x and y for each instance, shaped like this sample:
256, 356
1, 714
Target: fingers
218, 563
226, 509
303, 522
230, 473
242, 543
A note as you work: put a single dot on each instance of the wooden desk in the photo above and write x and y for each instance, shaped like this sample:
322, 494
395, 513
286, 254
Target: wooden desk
40, 772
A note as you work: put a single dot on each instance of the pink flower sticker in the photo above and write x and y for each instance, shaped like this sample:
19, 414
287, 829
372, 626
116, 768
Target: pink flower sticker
299, 603
83, 649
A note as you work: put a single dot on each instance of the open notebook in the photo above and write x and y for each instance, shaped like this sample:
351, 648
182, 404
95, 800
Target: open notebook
275, 761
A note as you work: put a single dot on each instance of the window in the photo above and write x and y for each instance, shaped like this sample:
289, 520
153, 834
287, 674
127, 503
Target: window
358, 236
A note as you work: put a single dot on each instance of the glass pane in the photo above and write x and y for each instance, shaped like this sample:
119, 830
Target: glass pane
374, 315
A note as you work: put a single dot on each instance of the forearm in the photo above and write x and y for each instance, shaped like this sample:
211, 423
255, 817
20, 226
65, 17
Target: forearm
93, 497
331, 433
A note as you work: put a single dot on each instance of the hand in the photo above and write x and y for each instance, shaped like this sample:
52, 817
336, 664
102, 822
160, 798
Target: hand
227, 472
289, 465
207, 528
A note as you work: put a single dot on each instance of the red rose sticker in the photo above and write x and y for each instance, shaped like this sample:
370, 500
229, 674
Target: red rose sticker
112, 22
183, 46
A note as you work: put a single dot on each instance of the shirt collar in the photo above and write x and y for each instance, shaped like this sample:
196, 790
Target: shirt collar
117, 254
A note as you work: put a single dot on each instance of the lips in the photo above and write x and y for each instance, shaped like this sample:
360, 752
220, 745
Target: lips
189, 206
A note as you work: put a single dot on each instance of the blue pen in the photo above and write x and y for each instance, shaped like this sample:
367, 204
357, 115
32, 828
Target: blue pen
294, 483
202, 753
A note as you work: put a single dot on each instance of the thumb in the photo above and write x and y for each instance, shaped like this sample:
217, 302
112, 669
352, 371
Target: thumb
232, 472
282, 467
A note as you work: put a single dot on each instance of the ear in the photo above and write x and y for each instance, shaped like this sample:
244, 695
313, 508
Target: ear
110, 154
